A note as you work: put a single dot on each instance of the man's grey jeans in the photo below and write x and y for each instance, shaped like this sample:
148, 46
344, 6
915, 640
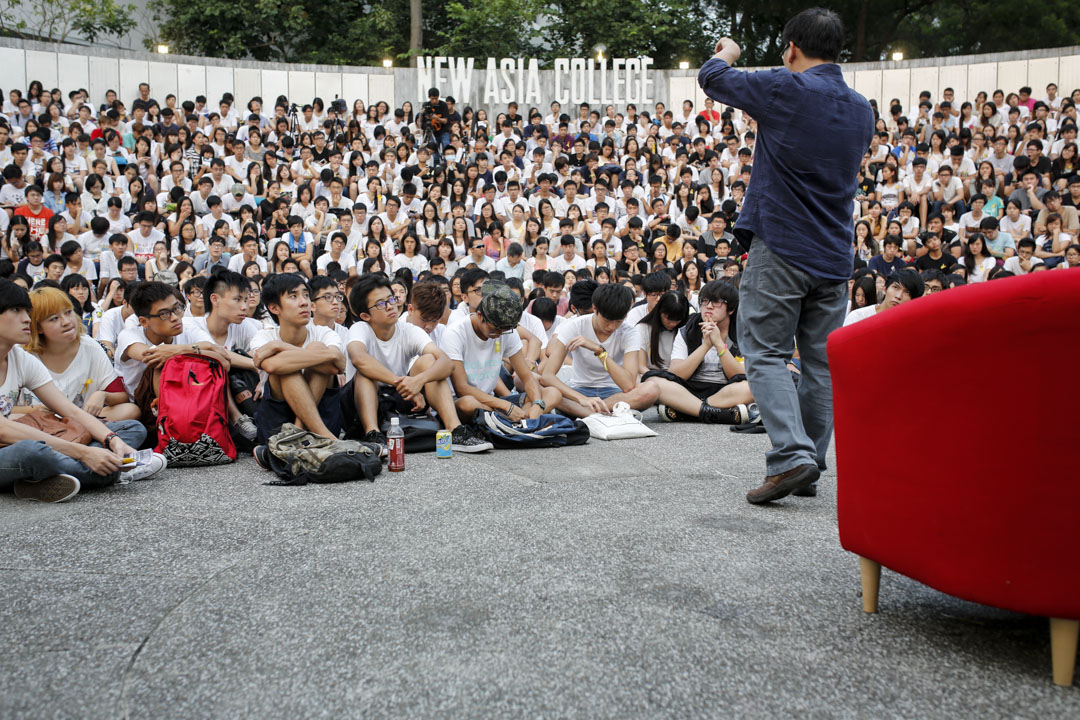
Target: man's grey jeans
779, 306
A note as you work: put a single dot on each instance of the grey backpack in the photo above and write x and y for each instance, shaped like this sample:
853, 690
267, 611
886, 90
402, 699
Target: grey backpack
300, 456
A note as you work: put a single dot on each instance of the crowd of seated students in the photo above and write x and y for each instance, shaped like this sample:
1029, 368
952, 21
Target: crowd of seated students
525, 263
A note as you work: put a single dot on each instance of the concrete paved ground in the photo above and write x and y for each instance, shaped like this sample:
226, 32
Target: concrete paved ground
625, 579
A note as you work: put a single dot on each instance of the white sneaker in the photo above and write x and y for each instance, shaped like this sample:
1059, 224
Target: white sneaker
245, 428
145, 472
623, 408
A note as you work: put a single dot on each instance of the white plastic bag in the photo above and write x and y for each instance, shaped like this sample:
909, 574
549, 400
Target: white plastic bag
622, 424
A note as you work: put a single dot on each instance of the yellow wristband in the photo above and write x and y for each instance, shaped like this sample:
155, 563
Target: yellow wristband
722, 352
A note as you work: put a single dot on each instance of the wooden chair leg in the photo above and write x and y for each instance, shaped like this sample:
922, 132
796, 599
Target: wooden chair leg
1063, 640
871, 580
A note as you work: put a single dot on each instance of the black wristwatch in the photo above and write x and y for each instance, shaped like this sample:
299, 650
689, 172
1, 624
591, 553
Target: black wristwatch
540, 404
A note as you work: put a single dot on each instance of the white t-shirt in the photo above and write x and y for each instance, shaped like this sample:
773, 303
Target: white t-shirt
346, 261
315, 333
90, 371
145, 245
535, 326
588, 370
483, 359
237, 262
238, 336
23, 371
710, 370
860, 314
132, 370
395, 354
113, 322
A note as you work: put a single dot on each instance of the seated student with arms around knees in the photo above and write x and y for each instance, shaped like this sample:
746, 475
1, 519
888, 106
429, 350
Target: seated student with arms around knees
226, 322
660, 326
79, 366
606, 363
899, 288
398, 362
162, 332
479, 345
704, 381
299, 360
38, 466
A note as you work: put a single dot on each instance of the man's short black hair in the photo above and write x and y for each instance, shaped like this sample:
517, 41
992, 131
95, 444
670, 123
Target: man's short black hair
125, 261
146, 294
545, 309
13, 297
220, 280
817, 32
581, 296
613, 301
278, 284
909, 280
552, 279
472, 276
656, 282
358, 297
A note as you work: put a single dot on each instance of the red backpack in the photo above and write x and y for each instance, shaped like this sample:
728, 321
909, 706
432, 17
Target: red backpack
193, 419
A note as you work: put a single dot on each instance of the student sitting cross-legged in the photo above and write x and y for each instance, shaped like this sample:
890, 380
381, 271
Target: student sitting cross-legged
299, 360
479, 344
605, 357
33, 464
704, 381
397, 361
79, 366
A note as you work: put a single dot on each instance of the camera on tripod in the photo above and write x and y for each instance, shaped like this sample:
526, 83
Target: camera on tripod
339, 106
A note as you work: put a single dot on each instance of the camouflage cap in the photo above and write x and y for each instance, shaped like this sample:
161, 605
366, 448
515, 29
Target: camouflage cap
500, 305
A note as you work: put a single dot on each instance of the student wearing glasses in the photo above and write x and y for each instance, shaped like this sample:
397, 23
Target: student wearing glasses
478, 257
397, 364
162, 332
472, 282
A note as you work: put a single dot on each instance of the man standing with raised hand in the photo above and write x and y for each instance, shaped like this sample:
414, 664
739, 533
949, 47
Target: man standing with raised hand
796, 219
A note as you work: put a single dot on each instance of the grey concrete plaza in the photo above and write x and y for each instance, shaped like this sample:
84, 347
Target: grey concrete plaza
613, 580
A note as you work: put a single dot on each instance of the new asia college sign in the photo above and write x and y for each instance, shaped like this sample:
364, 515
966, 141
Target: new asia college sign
573, 81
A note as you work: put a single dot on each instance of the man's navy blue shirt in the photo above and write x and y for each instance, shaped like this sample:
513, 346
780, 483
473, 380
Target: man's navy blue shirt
813, 131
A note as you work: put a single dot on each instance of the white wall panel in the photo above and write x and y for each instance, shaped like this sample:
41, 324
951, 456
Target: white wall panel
354, 86
219, 81
1068, 75
247, 84
679, 89
896, 84
133, 72
982, 77
1041, 72
73, 72
13, 60
924, 78
163, 82
301, 87
191, 82
1012, 75
955, 77
274, 83
42, 66
381, 87
104, 75
868, 84
328, 86
849, 79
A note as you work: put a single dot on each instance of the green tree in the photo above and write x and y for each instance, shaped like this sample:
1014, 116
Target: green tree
489, 28
59, 20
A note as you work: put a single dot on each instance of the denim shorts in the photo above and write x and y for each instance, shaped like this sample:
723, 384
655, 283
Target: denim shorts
602, 391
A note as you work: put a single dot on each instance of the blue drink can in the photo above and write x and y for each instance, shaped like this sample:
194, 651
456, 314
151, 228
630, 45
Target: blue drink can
442, 444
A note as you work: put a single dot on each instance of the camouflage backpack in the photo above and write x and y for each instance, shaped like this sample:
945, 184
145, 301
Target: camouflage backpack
300, 456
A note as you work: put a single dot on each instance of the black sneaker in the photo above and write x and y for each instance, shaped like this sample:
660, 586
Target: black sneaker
378, 440
465, 439
262, 456
809, 491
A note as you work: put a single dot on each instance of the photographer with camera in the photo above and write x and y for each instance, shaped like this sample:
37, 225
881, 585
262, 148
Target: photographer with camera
434, 118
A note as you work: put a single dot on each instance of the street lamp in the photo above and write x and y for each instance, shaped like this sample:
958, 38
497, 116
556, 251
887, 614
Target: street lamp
897, 56
163, 49
388, 63
600, 49
684, 65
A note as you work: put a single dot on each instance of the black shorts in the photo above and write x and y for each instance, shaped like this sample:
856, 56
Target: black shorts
700, 390
271, 414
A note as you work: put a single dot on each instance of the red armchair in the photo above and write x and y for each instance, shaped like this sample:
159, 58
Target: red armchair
988, 509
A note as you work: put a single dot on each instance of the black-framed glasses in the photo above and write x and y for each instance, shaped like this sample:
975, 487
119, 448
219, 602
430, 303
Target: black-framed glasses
386, 303
331, 297
175, 310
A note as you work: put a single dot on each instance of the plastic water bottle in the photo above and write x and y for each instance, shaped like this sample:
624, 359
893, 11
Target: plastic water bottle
396, 440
